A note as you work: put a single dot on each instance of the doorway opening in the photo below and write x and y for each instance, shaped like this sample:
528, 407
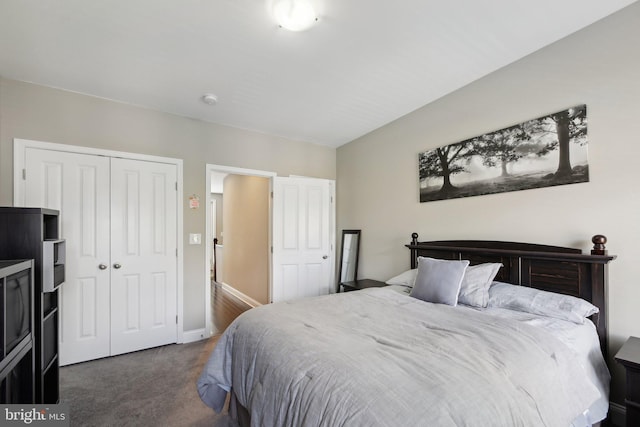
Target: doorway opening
237, 237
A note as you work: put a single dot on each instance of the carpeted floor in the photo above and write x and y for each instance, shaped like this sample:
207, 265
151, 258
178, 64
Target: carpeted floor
155, 387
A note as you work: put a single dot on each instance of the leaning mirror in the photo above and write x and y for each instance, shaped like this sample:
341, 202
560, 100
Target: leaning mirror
349, 261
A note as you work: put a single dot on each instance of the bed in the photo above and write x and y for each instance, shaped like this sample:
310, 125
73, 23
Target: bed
388, 356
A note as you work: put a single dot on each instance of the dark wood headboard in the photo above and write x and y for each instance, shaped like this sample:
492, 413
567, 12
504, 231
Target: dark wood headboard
550, 268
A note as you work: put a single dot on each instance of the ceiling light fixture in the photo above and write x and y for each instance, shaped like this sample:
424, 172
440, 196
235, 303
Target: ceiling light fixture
209, 99
294, 15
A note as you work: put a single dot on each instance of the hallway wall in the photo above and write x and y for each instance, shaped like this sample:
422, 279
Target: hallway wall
245, 215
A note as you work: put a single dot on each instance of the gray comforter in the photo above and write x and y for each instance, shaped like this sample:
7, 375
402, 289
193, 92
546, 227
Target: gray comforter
380, 358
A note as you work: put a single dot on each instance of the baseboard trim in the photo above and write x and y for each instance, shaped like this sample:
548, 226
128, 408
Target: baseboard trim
201, 334
242, 297
617, 415
193, 336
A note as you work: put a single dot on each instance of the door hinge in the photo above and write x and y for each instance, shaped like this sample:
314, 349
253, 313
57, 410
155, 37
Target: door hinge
271, 249
176, 252
272, 194
176, 319
176, 186
24, 174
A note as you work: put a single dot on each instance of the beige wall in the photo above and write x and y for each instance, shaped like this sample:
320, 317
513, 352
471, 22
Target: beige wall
34, 112
246, 235
378, 178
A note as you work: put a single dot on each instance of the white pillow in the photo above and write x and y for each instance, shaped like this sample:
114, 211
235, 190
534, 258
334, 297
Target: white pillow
406, 278
438, 280
535, 301
477, 279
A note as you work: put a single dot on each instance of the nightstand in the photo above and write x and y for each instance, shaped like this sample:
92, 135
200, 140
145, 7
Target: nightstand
361, 284
629, 357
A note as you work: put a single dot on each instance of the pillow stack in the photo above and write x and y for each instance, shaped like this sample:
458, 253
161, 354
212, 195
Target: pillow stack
452, 282
449, 282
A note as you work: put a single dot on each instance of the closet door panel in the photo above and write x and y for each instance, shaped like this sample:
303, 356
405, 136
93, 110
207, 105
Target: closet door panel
143, 254
78, 186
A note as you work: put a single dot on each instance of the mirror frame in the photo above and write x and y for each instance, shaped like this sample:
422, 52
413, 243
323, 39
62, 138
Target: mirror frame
355, 273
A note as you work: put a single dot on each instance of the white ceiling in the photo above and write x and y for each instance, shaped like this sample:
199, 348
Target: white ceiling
363, 64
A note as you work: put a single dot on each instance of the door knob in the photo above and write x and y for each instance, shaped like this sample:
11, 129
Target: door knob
102, 266
116, 266
325, 256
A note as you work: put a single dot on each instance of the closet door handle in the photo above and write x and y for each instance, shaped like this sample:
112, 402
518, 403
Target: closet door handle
116, 266
102, 266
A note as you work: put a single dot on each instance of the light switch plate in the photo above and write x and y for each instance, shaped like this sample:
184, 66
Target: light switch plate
195, 238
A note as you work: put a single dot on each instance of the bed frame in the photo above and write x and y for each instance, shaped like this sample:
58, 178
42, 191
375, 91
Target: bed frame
550, 268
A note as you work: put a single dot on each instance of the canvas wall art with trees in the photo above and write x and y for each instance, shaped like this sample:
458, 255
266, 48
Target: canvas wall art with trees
543, 152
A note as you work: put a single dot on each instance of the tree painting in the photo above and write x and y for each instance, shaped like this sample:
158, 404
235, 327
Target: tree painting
543, 152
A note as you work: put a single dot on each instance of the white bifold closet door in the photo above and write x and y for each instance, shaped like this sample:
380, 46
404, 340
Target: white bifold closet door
118, 217
143, 255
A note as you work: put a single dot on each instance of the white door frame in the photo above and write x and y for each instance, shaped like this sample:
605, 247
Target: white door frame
209, 235
213, 219
19, 160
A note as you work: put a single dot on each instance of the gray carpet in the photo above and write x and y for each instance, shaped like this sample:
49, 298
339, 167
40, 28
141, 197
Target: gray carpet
155, 387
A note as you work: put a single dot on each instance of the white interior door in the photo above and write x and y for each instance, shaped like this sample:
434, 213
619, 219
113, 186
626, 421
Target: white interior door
302, 238
119, 219
78, 186
143, 255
